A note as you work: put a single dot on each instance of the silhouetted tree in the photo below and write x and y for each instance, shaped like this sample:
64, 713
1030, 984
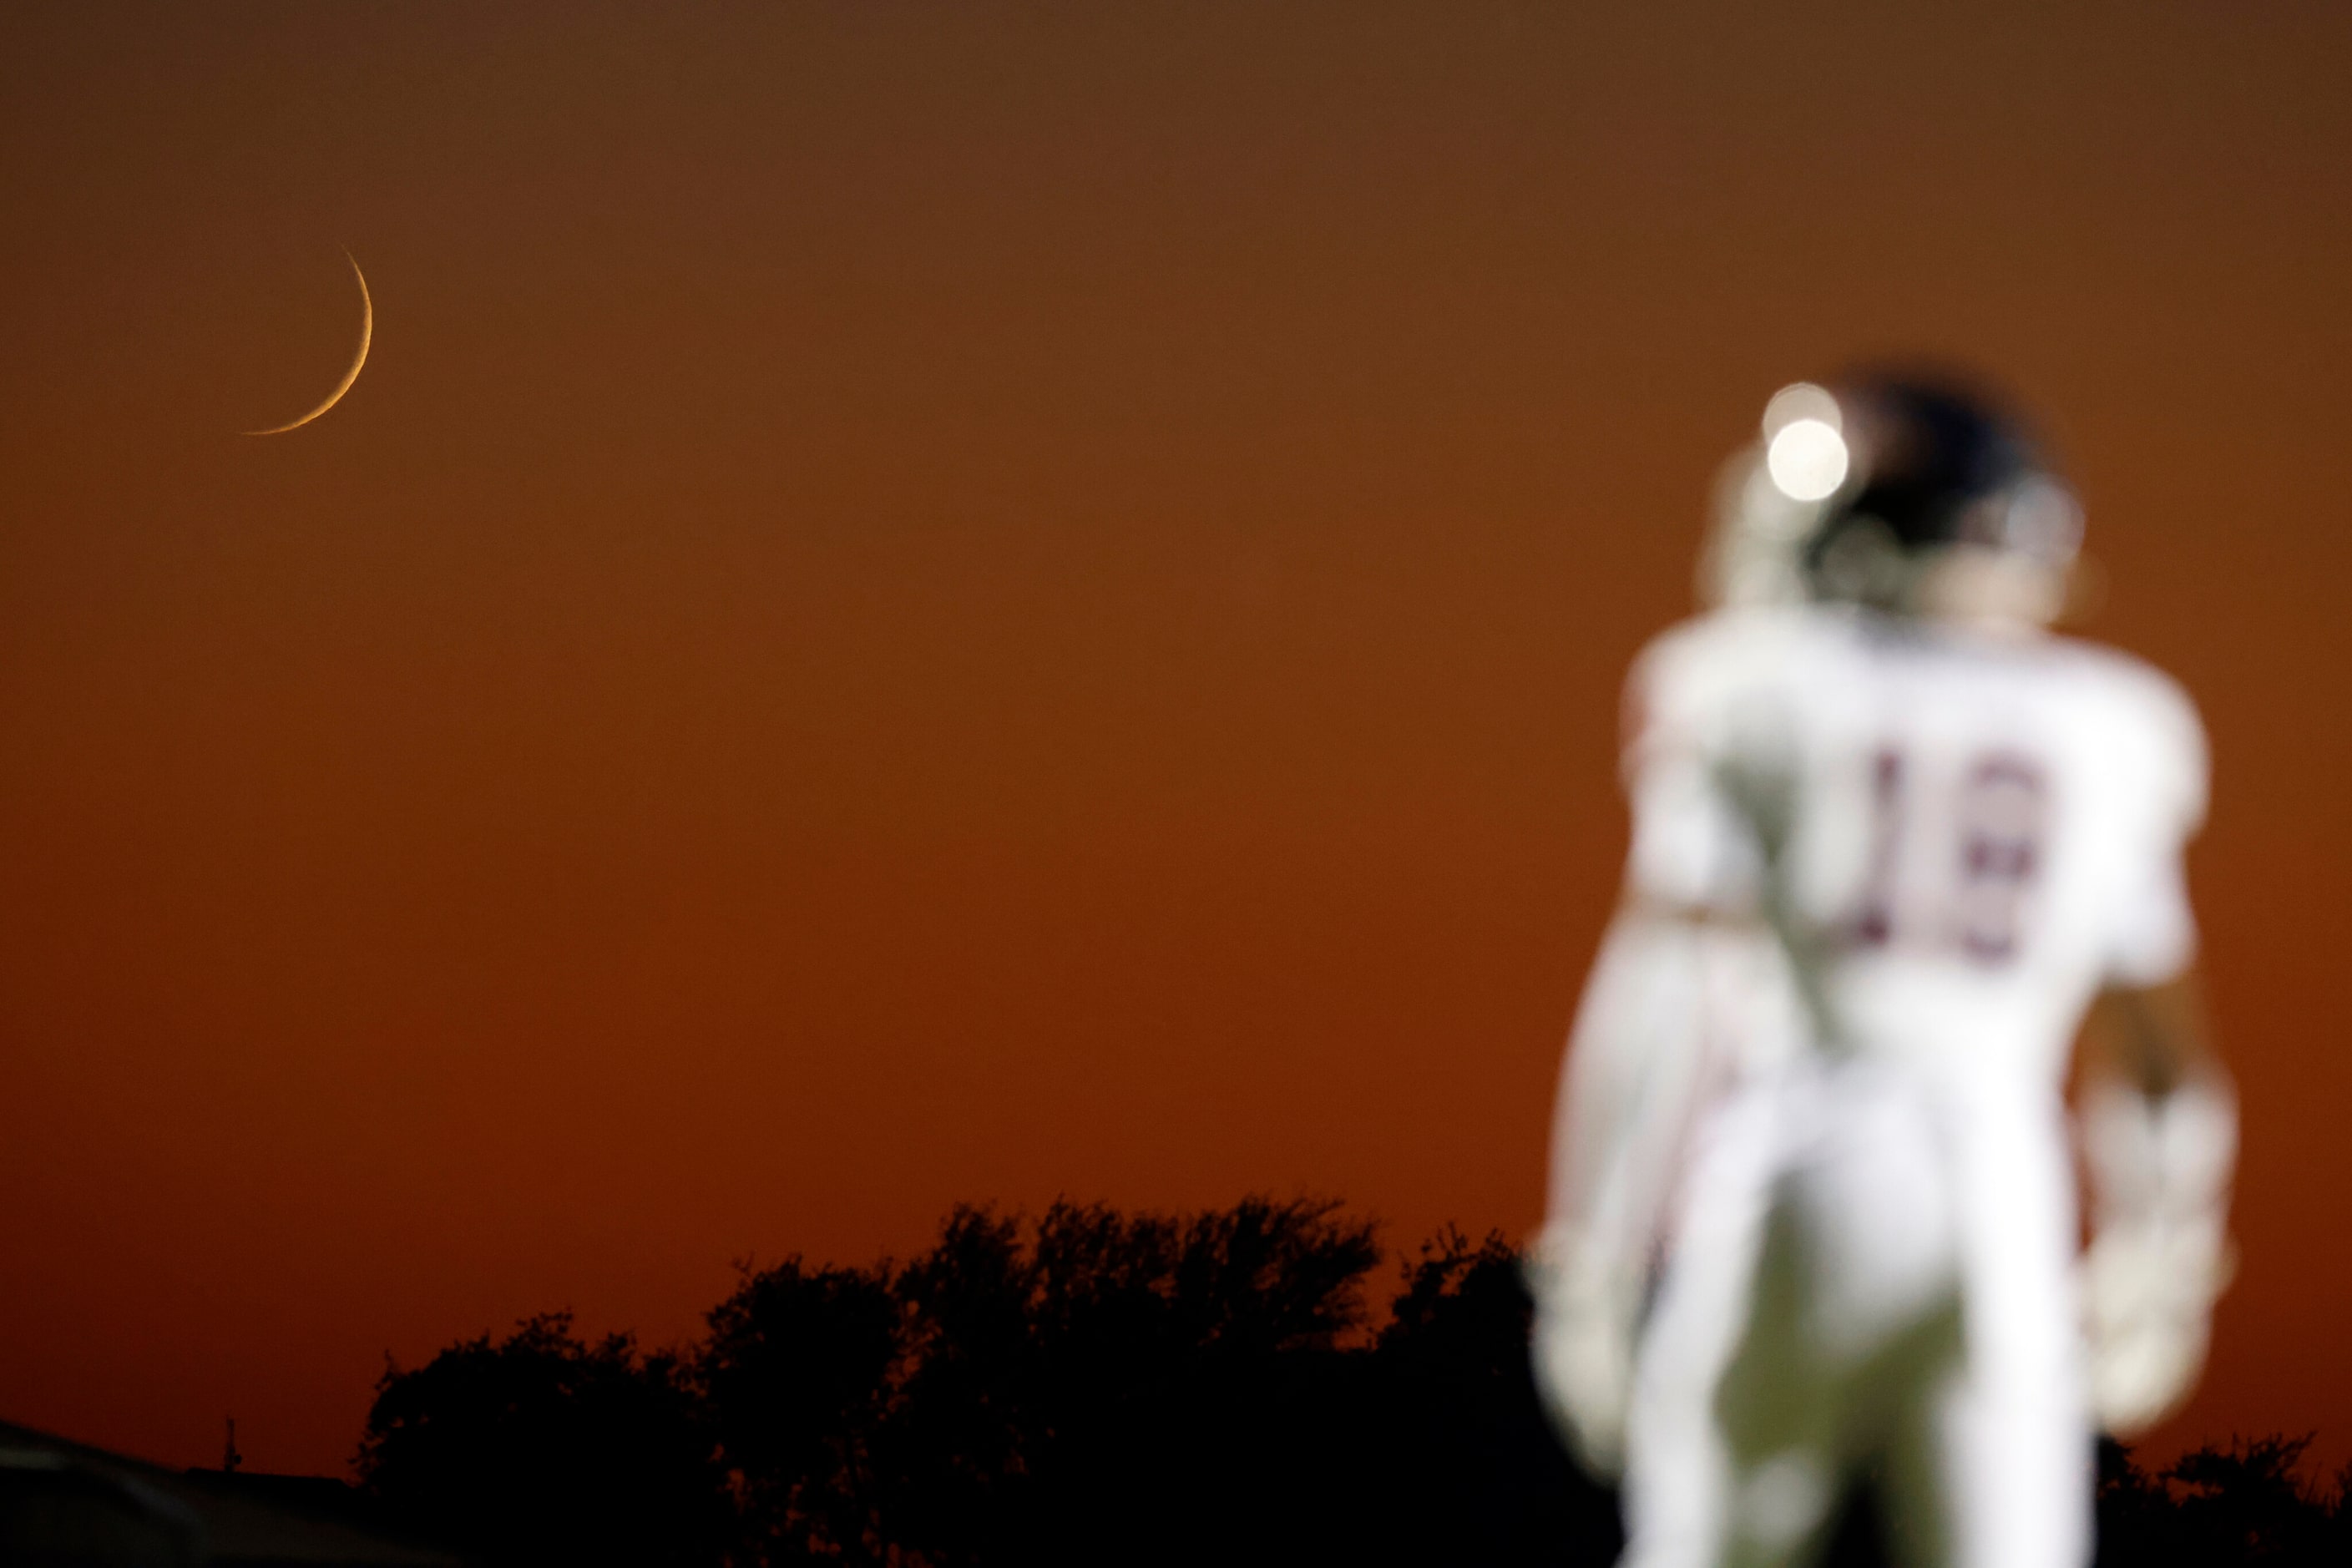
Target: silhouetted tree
1470, 1450
797, 1373
950, 1457
1106, 1387
540, 1448
1135, 1389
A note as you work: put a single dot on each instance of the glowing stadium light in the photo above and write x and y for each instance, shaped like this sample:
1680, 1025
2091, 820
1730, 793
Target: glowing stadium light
1807, 459
1802, 400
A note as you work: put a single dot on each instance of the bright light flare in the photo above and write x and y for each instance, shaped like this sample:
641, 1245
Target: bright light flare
1807, 459
1802, 400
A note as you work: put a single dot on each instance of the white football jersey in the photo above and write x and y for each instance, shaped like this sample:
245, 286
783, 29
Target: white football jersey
1988, 830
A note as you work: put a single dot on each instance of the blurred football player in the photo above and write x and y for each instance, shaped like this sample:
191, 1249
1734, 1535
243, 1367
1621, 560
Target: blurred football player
1812, 1219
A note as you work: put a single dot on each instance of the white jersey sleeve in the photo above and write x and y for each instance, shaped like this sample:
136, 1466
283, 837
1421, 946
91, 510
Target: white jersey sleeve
2151, 935
1689, 849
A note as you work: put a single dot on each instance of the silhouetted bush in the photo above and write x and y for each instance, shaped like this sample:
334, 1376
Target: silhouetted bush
2220, 1508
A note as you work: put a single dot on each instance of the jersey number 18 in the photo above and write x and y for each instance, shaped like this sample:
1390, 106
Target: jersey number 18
1977, 867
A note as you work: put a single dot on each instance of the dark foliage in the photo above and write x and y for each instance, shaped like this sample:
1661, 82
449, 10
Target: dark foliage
795, 1376
542, 1449
1135, 1389
2220, 1508
1104, 1387
1468, 1467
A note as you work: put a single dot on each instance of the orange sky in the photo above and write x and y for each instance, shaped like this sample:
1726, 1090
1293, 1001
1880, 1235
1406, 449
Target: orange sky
923, 603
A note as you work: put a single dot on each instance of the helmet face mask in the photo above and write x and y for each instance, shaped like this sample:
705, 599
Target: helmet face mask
1858, 560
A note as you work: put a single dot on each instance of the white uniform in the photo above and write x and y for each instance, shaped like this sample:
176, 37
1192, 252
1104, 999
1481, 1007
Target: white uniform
1870, 1246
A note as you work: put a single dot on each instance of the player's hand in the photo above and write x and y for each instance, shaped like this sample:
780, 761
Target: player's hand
2149, 1290
2159, 1257
1583, 1347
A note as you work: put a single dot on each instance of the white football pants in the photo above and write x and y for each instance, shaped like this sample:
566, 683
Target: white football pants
1869, 1279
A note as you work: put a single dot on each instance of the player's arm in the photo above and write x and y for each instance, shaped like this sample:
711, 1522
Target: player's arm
2160, 1138
2152, 1039
2159, 1121
1634, 1068
1703, 877
1632, 1073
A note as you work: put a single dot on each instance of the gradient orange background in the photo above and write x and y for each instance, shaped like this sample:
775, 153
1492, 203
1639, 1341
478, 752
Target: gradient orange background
940, 602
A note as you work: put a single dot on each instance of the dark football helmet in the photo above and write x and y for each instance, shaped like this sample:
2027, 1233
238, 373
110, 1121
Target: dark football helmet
1928, 465
1856, 486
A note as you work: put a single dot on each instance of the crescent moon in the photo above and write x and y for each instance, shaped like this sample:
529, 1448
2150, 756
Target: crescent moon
367, 331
